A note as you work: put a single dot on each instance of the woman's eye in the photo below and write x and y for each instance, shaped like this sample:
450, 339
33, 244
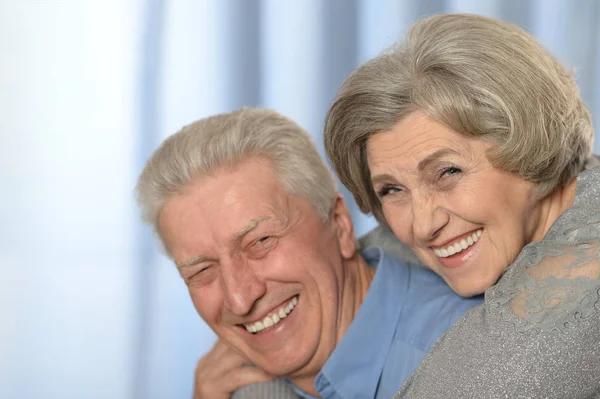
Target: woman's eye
450, 171
386, 190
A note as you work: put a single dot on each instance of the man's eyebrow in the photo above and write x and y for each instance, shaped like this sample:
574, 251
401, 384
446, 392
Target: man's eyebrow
236, 237
424, 163
191, 262
251, 226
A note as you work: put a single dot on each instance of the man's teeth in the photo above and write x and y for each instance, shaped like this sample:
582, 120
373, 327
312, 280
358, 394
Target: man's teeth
273, 318
459, 246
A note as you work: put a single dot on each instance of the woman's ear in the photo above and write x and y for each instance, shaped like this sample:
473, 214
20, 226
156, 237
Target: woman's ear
342, 223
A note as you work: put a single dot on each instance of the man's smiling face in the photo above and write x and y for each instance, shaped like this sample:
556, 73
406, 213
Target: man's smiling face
262, 268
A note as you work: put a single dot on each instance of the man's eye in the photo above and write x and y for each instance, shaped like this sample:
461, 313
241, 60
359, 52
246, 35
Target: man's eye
198, 277
262, 247
266, 242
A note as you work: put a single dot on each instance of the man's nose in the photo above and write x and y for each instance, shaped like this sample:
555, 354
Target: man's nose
242, 287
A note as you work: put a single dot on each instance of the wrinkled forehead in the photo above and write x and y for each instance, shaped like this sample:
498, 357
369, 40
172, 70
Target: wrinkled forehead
418, 142
221, 207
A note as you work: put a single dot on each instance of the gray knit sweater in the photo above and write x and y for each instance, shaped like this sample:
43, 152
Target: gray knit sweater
276, 389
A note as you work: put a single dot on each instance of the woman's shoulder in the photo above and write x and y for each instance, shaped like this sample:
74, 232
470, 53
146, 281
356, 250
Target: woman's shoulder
555, 282
498, 360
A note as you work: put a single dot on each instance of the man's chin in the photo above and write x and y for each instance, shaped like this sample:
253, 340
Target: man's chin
285, 368
288, 365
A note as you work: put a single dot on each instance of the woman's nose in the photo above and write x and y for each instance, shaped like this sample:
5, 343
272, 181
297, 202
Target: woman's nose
428, 217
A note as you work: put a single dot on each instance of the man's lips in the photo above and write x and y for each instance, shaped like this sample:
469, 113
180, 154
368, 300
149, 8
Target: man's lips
273, 318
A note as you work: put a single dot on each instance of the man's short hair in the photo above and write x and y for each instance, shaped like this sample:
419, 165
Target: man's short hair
223, 141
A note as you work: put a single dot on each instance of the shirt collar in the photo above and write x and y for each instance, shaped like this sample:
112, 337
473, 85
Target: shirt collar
364, 346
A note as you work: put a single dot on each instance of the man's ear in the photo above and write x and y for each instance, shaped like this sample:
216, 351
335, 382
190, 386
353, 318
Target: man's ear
344, 228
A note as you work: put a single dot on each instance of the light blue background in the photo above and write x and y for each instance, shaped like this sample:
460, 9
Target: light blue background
88, 307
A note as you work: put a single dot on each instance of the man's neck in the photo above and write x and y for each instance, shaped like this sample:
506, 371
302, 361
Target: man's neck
358, 278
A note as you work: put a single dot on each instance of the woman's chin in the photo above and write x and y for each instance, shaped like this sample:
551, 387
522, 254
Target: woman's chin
467, 287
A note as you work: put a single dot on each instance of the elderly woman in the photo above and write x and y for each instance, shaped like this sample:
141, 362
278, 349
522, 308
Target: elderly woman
471, 142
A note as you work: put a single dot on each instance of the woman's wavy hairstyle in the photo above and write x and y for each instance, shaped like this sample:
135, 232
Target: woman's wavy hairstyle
482, 78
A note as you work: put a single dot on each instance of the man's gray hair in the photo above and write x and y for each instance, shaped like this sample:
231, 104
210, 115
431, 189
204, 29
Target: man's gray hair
223, 141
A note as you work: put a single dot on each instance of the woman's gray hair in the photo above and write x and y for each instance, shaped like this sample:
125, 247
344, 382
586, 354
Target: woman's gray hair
225, 140
479, 76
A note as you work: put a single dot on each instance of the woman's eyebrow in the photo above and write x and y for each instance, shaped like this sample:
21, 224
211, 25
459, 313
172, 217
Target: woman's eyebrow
382, 178
434, 157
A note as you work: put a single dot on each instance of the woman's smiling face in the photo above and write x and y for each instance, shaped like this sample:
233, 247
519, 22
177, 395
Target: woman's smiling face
466, 219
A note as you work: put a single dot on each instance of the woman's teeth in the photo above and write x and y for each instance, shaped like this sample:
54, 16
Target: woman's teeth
273, 318
459, 246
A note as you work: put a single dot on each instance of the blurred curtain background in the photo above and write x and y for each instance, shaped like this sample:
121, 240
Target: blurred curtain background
88, 89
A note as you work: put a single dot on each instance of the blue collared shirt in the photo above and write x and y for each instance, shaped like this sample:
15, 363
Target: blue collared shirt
406, 309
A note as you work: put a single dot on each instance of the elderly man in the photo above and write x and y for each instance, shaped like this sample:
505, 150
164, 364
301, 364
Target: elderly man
251, 216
